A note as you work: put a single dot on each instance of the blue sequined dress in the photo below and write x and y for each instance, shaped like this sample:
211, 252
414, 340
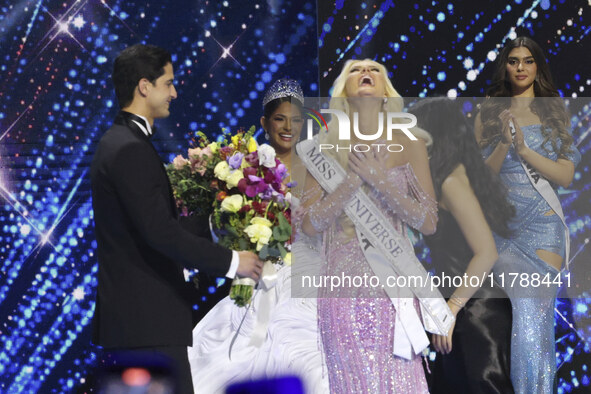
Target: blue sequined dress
535, 227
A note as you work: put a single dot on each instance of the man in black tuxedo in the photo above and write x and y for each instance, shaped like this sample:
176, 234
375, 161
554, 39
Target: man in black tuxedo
142, 303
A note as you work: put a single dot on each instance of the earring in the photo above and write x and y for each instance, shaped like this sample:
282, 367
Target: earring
385, 100
267, 136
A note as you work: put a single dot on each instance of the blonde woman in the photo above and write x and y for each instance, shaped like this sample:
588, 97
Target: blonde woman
357, 324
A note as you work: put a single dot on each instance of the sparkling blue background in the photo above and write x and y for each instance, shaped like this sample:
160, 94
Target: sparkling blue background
56, 99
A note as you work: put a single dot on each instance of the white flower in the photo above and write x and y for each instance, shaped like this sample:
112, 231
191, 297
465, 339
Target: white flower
222, 170
233, 179
266, 155
232, 203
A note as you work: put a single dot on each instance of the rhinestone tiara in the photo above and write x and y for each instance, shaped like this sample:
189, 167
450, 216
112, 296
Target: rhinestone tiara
284, 88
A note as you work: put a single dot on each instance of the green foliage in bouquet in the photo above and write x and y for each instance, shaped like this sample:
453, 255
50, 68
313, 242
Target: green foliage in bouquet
241, 185
192, 179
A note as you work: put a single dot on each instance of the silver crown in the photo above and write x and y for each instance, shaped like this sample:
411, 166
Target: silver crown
284, 88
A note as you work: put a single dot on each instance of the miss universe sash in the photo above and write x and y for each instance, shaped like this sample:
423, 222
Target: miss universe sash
390, 255
543, 187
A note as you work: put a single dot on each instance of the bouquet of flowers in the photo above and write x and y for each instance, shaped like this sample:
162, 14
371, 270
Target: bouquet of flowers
240, 184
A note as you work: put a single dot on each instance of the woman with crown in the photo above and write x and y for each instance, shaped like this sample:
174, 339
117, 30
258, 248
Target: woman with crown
276, 335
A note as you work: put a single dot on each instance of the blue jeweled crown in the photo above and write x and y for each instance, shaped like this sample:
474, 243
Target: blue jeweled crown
284, 88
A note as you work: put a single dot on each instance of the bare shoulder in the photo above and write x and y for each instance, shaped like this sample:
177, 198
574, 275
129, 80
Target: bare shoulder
456, 191
456, 183
416, 146
410, 152
413, 148
398, 150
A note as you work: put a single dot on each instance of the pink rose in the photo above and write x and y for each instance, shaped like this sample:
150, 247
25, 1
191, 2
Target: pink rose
179, 162
198, 158
195, 155
207, 152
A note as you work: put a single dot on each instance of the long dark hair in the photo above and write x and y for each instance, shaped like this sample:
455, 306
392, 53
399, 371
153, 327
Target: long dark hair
552, 112
543, 85
454, 144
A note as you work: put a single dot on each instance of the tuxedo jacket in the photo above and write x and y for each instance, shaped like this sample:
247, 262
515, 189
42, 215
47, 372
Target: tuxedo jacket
142, 297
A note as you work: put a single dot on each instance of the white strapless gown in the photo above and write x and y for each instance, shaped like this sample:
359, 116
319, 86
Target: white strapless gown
291, 345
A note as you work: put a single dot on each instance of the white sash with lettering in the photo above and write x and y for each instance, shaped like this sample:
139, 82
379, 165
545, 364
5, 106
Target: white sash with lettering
389, 256
543, 187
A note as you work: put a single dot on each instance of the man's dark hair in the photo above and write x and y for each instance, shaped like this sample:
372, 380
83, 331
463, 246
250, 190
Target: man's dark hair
134, 63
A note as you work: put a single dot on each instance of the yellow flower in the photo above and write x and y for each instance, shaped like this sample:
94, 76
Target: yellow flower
213, 146
233, 179
252, 145
244, 164
232, 203
259, 232
235, 140
222, 170
261, 221
287, 259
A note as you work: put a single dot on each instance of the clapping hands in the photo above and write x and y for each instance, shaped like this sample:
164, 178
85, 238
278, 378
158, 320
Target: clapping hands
518, 142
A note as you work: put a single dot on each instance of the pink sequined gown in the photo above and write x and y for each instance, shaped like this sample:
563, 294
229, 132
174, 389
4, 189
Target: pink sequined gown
357, 324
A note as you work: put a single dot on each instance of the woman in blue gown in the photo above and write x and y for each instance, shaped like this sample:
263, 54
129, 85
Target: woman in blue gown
529, 128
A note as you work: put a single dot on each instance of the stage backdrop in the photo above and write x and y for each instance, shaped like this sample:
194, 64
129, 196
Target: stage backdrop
56, 100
